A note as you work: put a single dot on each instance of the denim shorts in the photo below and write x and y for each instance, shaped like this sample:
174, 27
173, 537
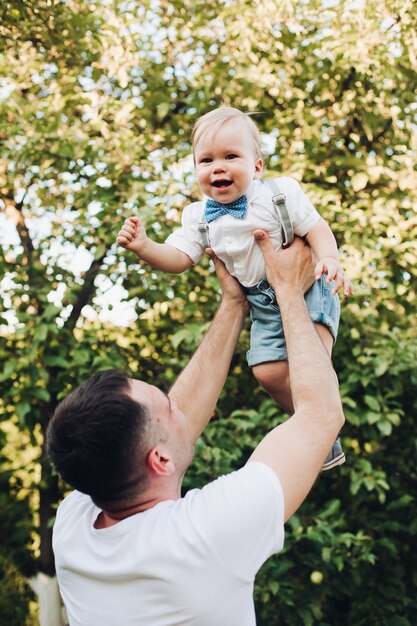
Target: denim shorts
267, 341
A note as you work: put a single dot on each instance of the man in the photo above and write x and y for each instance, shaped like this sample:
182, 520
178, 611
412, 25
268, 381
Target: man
132, 551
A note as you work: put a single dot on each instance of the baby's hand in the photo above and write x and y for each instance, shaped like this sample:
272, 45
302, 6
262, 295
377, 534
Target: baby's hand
132, 235
331, 266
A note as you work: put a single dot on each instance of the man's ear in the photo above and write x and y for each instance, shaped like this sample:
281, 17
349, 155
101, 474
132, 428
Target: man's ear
159, 462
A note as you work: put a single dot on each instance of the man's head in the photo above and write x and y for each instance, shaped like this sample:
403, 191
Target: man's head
111, 435
227, 153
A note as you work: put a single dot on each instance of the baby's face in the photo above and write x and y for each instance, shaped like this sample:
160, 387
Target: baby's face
226, 162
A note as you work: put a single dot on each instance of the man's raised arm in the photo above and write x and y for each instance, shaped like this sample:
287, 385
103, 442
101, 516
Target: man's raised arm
296, 449
198, 387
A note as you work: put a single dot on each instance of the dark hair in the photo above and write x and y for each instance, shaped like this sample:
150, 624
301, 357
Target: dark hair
96, 439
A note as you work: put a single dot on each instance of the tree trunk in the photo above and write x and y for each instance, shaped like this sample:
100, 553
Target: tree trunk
49, 495
51, 610
45, 583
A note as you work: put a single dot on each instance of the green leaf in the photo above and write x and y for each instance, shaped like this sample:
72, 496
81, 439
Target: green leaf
50, 312
41, 394
41, 332
373, 403
56, 361
381, 368
22, 409
385, 427
372, 417
162, 109
100, 251
180, 336
8, 370
359, 181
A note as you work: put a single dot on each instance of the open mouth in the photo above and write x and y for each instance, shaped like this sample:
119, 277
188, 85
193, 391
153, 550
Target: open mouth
221, 184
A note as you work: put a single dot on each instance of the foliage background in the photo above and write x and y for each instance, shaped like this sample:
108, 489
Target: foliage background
96, 104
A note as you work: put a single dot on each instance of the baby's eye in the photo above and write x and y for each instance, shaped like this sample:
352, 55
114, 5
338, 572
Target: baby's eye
231, 156
206, 160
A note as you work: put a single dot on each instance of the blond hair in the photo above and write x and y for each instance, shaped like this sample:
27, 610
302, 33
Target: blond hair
215, 119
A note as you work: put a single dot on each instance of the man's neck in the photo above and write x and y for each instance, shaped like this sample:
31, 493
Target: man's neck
106, 518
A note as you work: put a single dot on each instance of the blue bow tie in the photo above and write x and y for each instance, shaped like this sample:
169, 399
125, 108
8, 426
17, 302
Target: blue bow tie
215, 209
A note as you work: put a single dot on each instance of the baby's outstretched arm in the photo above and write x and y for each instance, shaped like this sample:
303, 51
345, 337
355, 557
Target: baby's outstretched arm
322, 241
161, 256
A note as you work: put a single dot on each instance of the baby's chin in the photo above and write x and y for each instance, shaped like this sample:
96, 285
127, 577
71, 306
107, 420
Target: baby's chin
224, 194
225, 200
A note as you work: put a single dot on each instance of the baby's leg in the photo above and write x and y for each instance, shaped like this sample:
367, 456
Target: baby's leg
274, 378
274, 375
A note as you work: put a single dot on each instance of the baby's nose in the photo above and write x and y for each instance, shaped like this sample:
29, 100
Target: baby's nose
218, 166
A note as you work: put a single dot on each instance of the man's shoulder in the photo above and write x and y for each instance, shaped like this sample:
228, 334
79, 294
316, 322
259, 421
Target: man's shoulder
74, 503
248, 478
245, 507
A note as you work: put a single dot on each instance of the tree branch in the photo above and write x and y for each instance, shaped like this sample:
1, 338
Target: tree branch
85, 293
278, 105
14, 212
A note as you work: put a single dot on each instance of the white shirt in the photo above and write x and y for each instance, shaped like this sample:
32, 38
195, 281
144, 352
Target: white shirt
232, 238
188, 562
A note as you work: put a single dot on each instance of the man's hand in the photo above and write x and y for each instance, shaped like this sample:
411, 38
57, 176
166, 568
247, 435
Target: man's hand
331, 266
230, 286
132, 235
291, 268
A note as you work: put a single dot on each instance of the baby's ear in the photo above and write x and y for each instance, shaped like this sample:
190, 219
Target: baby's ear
258, 168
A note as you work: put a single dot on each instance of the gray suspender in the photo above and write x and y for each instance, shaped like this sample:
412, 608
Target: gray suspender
203, 227
278, 199
281, 211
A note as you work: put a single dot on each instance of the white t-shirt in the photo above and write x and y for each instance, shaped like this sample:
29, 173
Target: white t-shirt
188, 562
232, 238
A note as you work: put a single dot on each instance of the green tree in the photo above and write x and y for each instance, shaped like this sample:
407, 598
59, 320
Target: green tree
96, 104
16, 558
